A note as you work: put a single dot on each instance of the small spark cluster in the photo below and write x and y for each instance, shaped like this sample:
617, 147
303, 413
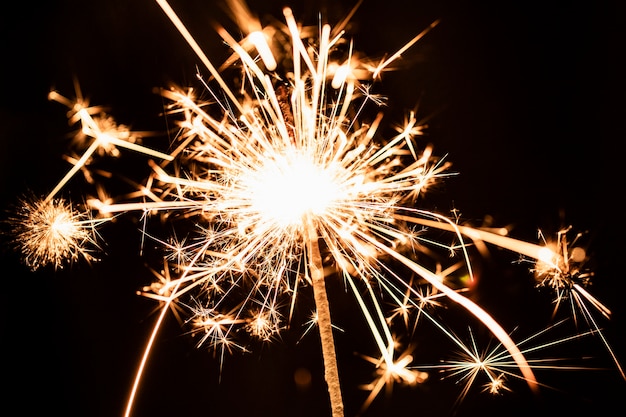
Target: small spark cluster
53, 232
563, 269
278, 181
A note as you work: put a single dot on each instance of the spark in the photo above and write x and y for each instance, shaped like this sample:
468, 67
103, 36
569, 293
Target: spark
495, 364
561, 267
312, 323
557, 266
265, 325
105, 135
419, 299
387, 373
49, 232
214, 328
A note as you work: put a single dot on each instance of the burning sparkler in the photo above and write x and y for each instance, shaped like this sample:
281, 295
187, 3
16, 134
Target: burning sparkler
274, 185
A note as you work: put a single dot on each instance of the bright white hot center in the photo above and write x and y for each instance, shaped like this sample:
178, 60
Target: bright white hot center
288, 187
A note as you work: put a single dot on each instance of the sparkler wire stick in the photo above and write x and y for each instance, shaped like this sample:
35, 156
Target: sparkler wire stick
324, 322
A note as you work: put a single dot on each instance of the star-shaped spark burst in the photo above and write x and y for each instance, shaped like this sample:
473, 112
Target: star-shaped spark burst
390, 372
562, 268
492, 367
53, 232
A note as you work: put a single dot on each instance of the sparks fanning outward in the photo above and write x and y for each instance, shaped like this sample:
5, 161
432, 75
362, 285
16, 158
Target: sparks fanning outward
285, 184
53, 232
493, 364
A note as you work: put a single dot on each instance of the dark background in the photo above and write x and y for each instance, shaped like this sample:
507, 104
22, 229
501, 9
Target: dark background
527, 99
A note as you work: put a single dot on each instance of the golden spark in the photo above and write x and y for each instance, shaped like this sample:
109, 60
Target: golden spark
53, 232
561, 267
387, 373
495, 364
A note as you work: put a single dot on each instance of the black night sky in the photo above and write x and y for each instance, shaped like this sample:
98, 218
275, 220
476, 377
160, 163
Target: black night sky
527, 99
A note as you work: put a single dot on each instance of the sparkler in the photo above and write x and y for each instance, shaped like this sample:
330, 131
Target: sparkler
286, 185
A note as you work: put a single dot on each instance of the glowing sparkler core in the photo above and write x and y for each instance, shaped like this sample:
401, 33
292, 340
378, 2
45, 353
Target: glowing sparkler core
284, 190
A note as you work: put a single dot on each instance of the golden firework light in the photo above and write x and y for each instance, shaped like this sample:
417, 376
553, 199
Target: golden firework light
282, 182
